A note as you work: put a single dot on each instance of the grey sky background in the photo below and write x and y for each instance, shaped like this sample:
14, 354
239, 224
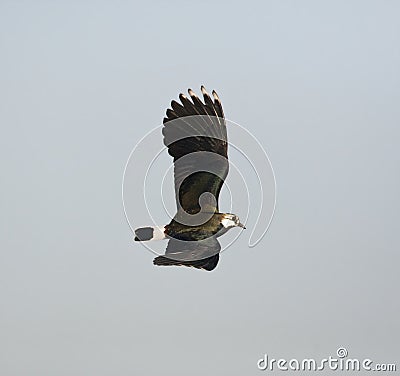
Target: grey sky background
316, 82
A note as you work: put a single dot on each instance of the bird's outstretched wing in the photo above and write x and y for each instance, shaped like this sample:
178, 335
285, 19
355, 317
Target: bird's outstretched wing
196, 137
202, 254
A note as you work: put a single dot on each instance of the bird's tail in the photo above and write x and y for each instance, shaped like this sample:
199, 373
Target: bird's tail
149, 233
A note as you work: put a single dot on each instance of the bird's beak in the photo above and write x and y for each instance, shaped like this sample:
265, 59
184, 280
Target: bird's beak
242, 225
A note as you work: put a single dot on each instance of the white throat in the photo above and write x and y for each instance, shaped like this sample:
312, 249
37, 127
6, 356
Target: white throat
227, 222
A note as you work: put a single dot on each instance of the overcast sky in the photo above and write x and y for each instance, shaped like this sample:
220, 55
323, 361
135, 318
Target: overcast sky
81, 82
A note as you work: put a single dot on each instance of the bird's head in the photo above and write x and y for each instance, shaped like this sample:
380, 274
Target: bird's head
231, 220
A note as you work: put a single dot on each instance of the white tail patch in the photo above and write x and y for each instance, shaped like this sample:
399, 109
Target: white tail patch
149, 233
158, 233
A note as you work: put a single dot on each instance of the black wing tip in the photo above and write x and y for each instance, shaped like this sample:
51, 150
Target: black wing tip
193, 105
207, 264
206, 96
204, 91
192, 93
216, 97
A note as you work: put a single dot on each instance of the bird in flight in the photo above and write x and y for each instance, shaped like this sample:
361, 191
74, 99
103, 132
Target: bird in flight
196, 137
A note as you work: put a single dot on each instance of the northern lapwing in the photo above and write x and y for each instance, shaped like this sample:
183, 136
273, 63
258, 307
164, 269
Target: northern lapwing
196, 137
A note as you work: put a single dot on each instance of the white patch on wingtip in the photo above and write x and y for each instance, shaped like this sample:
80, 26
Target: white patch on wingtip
192, 93
158, 233
216, 97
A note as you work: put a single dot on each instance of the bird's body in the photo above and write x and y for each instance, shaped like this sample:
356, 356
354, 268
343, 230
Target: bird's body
196, 137
213, 227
